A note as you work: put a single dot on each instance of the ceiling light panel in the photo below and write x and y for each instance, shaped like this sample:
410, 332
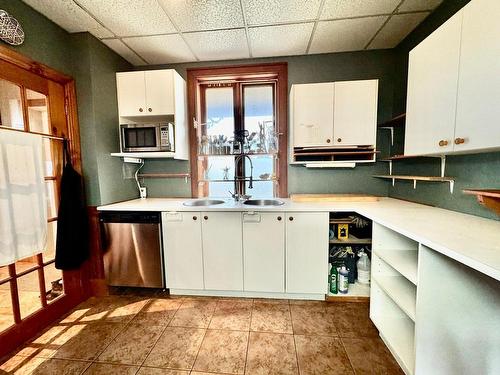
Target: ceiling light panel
219, 45
70, 17
130, 17
345, 35
418, 5
120, 48
398, 27
161, 49
357, 8
265, 12
199, 15
283, 40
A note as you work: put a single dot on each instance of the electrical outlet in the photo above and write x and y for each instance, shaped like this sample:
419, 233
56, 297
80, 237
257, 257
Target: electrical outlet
143, 192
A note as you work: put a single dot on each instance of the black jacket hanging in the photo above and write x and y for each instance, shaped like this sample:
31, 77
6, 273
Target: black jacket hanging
72, 245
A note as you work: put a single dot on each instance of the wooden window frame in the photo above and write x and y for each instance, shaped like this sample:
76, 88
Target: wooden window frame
262, 72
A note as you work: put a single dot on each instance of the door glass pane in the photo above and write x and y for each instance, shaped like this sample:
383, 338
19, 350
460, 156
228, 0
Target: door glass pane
263, 169
53, 282
50, 249
29, 294
11, 110
26, 264
37, 112
218, 170
258, 107
50, 190
219, 111
4, 272
6, 312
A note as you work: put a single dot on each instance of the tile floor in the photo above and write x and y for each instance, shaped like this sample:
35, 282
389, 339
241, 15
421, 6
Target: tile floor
158, 335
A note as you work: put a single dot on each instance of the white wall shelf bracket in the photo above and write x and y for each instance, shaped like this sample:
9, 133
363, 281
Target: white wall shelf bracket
391, 129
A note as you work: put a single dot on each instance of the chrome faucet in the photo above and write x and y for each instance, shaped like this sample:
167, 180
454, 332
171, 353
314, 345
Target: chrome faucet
237, 193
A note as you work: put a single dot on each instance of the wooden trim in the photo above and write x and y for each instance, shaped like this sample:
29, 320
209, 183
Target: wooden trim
279, 71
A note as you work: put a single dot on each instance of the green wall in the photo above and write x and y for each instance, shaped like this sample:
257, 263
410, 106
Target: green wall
93, 66
306, 69
470, 171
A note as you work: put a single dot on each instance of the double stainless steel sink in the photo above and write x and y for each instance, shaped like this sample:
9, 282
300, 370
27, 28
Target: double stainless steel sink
249, 202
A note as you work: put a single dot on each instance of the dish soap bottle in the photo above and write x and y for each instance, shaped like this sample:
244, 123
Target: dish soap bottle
364, 266
333, 279
343, 280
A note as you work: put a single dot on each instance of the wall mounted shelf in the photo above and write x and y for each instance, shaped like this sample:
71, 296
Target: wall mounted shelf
392, 177
392, 123
390, 159
490, 198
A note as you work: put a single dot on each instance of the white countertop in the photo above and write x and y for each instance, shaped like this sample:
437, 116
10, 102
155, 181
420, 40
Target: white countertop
471, 240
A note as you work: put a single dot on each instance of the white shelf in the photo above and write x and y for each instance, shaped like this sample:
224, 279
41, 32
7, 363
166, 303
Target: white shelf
401, 291
145, 155
403, 261
355, 290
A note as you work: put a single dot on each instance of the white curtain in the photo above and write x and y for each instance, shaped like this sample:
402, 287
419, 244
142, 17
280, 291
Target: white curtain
23, 207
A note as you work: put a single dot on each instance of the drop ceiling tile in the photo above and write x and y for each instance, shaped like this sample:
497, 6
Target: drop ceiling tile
69, 16
199, 15
219, 45
265, 12
161, 49
283, 40
398, 27
120, 48
345, 35
416, 5
130, 17
357, 8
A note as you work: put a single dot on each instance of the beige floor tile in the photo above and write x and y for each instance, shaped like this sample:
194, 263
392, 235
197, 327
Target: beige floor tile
114, 309
19, 365
51, 339
270, 300
194, 313
109, 369
223, 351
161, 371
158, 311
307, 302
312, 319
271, 317
322, 355
176, 348
232, 315
60, 367
272, 354
88, 343
352, 319
132, 345
370, 356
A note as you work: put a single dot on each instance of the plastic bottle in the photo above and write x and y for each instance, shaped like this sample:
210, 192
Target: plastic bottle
343, 280
333, 279
364, 266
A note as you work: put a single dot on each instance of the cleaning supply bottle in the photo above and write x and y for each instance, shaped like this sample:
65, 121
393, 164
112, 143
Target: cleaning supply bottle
364, 266
343, 280
333, 276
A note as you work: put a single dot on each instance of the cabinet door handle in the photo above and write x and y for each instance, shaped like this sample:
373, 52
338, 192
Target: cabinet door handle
339, 139
443, 143
459, 141
279, 218
328, 140
195, 218
290, 218
150, 110
205, 217
140, 109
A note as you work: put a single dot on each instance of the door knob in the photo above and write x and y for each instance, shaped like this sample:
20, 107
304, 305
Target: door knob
328, 140
279, 218
443, 143
140, 109
150, 110
339, 139
195, 218
459, 141
290, 218
205, 217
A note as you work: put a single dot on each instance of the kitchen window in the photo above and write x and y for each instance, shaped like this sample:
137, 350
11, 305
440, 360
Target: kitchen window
239, 102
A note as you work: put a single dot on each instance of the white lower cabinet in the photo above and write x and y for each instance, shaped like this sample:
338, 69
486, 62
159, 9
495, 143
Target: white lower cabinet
183, 250
222, 251
264, 251
307, 252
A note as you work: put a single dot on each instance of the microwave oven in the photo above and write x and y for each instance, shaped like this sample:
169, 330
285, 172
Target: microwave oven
147, 137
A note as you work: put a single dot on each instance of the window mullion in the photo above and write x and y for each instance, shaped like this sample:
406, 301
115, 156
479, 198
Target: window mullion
14, 294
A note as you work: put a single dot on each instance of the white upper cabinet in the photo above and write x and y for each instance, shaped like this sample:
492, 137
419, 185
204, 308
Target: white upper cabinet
432, 90
312, 113
131, 89
355, 113
478, 105
160, 92
264, 251
334, 113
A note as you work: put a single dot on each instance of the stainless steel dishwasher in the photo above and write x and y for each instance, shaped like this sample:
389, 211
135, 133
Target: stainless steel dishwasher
132, 247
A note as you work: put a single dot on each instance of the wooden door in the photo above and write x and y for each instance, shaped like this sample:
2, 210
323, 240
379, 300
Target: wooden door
131, 90
355, 113
432, 91
478, 109
312, 114
307, 252
160, 92
264, 251
222, 251
182, 250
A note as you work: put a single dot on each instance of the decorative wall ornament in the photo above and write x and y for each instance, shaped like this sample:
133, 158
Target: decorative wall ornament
11, 31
